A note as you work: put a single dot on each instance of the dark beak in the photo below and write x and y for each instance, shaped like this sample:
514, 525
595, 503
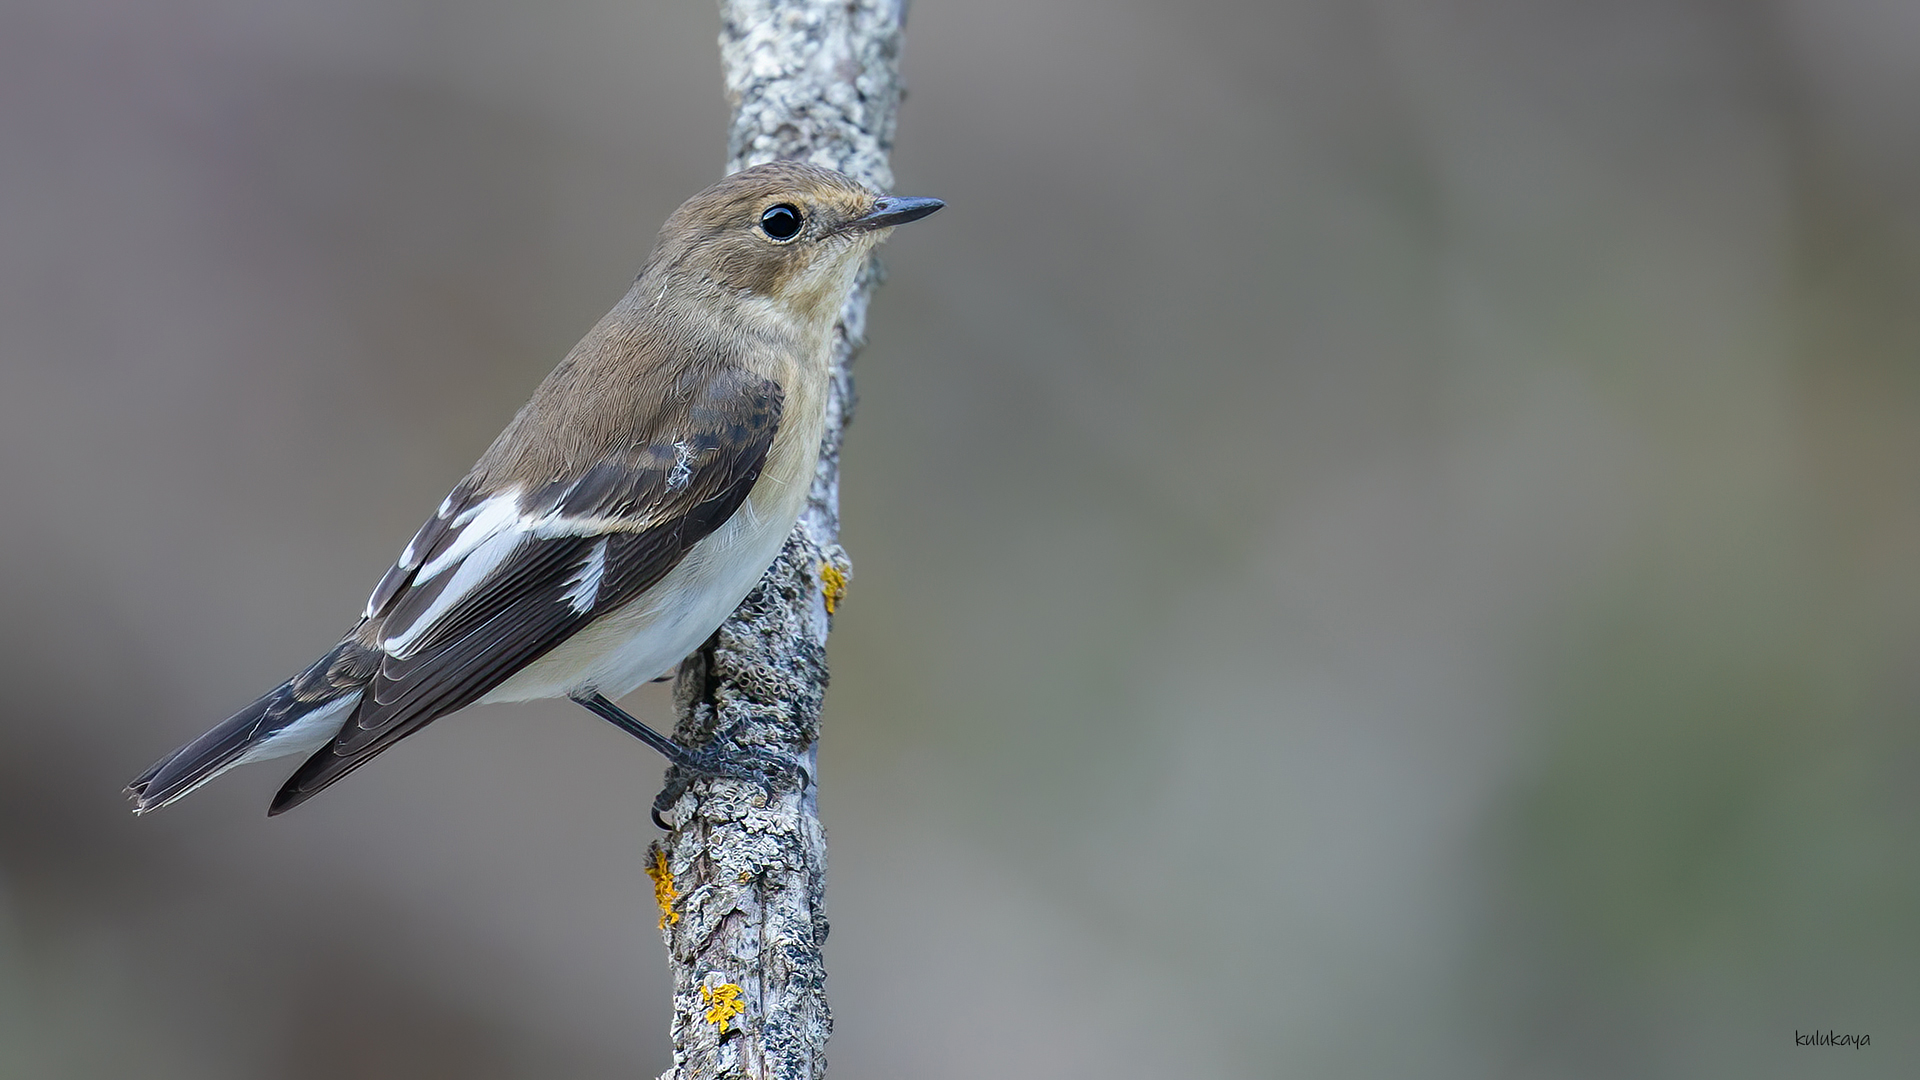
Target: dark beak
893, 210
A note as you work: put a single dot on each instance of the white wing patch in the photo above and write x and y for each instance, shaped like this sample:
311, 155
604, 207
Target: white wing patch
586, 586
483, 557
490, 531
477, 542
478, 524
495, 511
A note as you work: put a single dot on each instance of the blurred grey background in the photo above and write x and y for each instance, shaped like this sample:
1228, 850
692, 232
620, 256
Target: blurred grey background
1387, 537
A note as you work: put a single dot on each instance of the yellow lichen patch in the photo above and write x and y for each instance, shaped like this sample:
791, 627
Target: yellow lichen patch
725, 1002
663, 891
833, 585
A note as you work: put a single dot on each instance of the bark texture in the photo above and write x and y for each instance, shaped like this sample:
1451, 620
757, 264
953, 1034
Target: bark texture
741, 878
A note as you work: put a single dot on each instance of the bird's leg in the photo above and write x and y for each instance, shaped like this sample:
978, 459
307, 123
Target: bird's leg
621, 719
705, 762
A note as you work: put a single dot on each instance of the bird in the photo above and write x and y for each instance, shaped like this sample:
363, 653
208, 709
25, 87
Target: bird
622, 514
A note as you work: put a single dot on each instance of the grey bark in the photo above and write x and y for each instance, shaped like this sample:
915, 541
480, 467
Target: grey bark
742, 875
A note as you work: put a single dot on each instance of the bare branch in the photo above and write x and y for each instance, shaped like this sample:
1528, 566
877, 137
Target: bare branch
742, 877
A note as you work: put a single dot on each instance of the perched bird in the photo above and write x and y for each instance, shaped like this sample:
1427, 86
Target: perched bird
623, 513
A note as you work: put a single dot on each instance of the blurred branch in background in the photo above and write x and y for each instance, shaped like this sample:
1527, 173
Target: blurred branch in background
741, 880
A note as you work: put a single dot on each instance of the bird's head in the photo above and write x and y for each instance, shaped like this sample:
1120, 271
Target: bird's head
786, 233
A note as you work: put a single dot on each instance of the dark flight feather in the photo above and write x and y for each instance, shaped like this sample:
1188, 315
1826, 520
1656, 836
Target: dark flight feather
341, 672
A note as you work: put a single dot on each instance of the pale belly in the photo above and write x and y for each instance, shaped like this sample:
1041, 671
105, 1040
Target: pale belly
649, 637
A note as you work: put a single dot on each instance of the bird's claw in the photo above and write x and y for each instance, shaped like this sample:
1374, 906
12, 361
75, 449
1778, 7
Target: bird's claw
690, 764
710, 762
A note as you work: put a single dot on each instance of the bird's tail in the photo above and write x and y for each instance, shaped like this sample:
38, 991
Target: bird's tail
292, 719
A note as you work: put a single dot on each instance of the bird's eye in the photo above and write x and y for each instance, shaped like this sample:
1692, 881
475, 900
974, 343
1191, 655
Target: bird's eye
781, 222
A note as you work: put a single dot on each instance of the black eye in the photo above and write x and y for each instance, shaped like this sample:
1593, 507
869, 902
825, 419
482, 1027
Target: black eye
781, 222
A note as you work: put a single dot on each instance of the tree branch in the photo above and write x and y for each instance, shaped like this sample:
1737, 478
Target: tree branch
742, 876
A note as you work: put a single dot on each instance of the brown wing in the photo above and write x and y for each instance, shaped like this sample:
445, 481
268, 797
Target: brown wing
500, 577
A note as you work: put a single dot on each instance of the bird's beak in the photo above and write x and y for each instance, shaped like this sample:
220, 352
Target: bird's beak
893, 210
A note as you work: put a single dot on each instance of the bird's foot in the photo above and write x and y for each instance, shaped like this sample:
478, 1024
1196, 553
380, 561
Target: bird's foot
711, 762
